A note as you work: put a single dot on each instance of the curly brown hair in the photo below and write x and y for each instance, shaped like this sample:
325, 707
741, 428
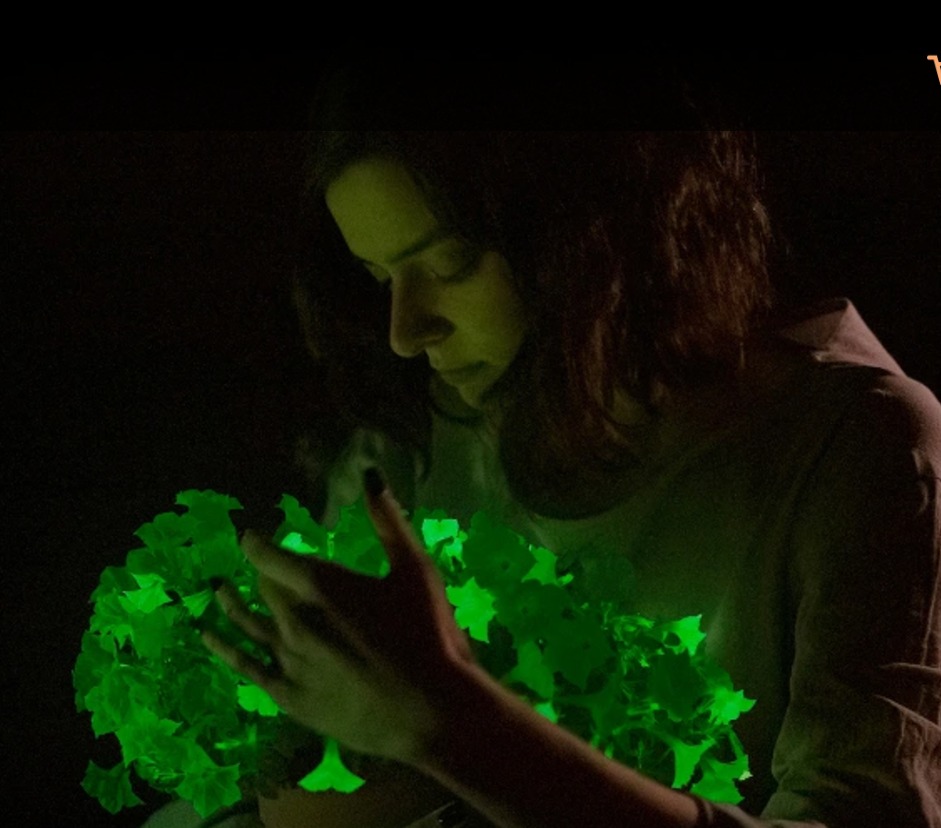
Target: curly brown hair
640, 257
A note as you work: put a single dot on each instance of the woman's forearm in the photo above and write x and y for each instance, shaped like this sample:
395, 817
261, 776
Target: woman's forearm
521, 771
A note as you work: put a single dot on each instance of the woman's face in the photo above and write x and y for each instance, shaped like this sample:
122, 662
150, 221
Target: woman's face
450, 301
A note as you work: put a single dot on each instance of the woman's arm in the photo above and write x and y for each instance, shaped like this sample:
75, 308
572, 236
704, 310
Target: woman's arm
520, 770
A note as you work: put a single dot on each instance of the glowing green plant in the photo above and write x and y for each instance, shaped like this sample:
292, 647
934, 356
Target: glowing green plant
640, 690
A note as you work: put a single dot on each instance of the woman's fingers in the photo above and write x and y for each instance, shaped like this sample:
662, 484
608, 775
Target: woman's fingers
265, 677
256, 627
300, 574
280, 566
392, 529
299, 624
355, 655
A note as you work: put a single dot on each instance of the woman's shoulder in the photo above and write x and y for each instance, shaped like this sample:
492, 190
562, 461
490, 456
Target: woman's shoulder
848, 368
869, 441
832, 331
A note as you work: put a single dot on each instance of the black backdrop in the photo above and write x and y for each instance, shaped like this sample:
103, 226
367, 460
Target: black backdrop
149, 213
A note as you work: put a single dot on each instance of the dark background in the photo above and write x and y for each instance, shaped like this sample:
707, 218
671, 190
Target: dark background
148, 223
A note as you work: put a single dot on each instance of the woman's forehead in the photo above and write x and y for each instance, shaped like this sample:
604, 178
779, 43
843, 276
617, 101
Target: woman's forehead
381, 211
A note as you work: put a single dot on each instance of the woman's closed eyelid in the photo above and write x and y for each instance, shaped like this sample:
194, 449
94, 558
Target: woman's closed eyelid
465, 264
456, 274
453, 275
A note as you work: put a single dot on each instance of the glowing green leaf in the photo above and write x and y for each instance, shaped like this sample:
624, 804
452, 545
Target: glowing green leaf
254, 699
169, 562
676, 684
331, 774
202, 692
166, 531
355, 545
297, 519
474, 608
543, 570
444, 540
576, 647
372, 559
294, 542
93, 663
152, 631
146, 599
113, 579
686, 758
197, 603
217, 556
435, 531
211, 789
144, 734
548, 710
607, 706
209, 506
110, 618
719, 778
112, 788
498, 556
532, 610
114, 700
146, 580
684, 634
532, 671
728, 704
103, 715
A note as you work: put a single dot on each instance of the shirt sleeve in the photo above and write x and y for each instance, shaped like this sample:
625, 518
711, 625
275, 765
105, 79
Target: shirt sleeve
860, 745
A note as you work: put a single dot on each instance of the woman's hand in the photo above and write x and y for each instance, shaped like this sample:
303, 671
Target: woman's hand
364, 660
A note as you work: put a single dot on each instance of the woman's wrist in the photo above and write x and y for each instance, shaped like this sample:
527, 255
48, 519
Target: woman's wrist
465, 695
515, 767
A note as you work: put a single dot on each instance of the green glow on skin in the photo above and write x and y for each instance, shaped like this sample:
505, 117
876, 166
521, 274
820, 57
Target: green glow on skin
640, 690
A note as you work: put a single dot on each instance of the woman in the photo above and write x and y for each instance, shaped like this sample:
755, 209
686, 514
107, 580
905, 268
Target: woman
575, 332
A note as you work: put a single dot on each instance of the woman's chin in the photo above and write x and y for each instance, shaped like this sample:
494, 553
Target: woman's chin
458, 400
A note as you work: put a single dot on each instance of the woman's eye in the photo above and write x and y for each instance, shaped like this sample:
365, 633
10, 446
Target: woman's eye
460, 270
452, 268
454, 276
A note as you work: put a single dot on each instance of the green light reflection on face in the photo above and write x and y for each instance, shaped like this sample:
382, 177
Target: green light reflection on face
458, 309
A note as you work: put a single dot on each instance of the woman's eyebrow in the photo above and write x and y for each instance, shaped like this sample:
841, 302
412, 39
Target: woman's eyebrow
434, 236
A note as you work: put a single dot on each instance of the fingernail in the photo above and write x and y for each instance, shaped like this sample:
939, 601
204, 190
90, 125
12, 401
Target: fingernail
215, 583
453, 815
373, 482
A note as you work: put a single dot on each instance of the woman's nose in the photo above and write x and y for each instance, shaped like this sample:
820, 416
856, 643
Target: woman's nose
416, 322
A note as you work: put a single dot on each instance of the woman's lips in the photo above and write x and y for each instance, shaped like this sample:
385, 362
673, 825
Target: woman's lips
459, 375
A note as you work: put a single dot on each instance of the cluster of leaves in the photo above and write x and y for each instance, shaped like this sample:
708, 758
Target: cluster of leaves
186, 724
641, 691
